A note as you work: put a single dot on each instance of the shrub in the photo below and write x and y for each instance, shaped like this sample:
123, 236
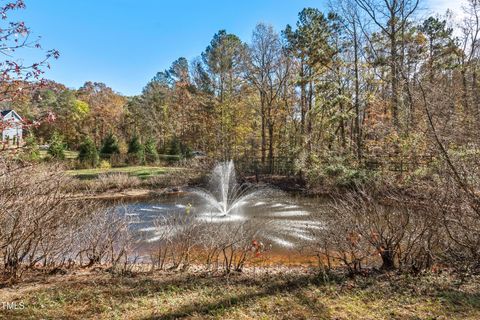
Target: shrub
57, 146
331, 171
227, 246
88, 153
151, 154
41, 218
115, 181
104, 164
376, 225
104, 238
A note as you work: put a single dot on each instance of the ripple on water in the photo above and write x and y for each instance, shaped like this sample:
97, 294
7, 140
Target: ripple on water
307, 224
280, 241
218, 218
160, 207
148, 229
293, 213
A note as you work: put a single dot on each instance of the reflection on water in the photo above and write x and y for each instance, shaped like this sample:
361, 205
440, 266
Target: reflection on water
286, 221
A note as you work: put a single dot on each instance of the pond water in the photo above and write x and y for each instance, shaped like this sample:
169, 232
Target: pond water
284, 221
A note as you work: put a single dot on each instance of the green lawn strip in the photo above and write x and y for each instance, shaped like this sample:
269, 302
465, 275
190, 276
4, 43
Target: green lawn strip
141, 172
69, 154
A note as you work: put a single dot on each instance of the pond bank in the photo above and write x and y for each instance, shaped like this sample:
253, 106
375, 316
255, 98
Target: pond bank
123, 187
127, 195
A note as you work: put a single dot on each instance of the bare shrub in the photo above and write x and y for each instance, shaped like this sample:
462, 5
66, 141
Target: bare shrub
104, 238
174, 178
367, 226
115, 181
175, 238
237, 244
41, 227
183, 240
460, 212
35, 216
163, 242
229, 245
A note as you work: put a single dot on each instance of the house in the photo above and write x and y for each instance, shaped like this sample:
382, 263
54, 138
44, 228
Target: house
11, 125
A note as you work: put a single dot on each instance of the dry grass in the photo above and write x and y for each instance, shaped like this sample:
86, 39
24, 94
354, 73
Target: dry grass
286, 293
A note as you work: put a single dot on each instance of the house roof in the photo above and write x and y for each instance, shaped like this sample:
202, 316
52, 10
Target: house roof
3, 113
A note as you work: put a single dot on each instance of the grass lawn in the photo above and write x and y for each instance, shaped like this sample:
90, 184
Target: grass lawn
141, 172
68, 154
293, 295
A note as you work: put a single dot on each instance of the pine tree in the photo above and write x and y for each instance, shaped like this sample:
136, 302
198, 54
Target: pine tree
175, 148
110, 146
136, 151
151, 154
32, 149
88, 153
57, 146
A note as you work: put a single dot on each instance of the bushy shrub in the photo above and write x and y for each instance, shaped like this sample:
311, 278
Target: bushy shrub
331, 171
104, 164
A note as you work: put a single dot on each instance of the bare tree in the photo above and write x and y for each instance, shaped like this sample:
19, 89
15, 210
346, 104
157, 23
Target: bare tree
267, 69
391, 17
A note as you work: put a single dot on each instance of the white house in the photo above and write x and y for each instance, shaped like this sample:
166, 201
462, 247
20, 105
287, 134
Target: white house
11, 125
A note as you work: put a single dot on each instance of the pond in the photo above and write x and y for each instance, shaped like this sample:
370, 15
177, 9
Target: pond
284, 221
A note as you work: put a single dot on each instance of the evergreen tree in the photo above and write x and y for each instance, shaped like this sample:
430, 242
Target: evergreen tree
175, 148
88, 153
32, 149
136, 150
110, 146
151, 154
57, 146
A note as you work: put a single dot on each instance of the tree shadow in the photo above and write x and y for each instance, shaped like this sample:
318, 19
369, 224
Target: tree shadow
459, 299
286, 294
292, 285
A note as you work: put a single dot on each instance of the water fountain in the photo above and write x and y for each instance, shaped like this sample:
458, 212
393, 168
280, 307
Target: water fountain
285, 220
225, 196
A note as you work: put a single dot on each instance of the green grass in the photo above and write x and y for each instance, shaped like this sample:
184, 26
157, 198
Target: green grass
68, 154
297, 295
141, 172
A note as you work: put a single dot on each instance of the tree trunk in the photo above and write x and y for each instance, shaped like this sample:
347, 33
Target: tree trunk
394, 76
262, 111
270, 146
388, 260
358, 136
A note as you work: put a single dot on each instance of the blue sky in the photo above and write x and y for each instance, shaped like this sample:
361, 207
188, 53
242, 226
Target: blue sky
123, 43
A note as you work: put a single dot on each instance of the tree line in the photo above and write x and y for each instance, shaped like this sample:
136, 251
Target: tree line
345, 87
